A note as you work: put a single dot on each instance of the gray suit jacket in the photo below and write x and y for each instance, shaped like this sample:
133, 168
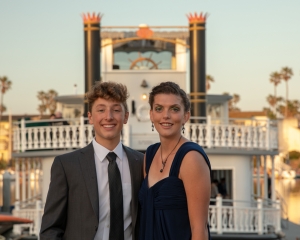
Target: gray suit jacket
72, 205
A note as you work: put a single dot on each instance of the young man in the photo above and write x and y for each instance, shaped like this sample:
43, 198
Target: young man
93, 192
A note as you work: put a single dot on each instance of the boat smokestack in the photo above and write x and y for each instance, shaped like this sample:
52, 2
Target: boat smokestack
92, 48
197, 64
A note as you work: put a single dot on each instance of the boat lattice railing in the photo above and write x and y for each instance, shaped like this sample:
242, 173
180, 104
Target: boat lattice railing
210, 133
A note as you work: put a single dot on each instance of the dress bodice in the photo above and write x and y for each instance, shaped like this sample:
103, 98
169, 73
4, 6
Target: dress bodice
164, 212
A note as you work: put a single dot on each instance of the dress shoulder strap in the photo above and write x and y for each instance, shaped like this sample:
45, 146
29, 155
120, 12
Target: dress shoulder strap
182, 151
150, 153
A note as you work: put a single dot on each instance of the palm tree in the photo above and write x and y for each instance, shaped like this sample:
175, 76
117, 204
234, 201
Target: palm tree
235, 99
275, 78
286, 74
291, 108
5, 85
2, 108
209, 79
233, 102
271, 99
47, 101
51, 101
41, 108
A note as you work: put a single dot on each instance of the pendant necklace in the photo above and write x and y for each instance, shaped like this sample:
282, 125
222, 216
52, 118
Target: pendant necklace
164, 161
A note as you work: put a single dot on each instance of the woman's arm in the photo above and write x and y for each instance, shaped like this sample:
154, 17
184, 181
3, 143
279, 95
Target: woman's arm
195, 175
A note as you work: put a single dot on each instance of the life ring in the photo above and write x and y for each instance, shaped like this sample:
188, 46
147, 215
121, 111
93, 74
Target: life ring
142, 112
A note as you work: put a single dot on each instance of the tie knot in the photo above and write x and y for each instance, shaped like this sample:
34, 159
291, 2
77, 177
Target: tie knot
111, 156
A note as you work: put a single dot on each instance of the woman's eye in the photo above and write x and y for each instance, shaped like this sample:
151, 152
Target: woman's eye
158, 109
117, 110
175, 109
100, 110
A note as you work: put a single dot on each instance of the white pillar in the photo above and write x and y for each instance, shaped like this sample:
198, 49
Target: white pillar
265, 177
208, 132
278, 217
81, 132
260, 217
17, 179
251, 176
23, 136
38, 219
268, 135
23, 180
10, 127
17, 227
219, 214
40, 175
38, 167
273, 180
258, 176
126, 135
34, 177
28, 178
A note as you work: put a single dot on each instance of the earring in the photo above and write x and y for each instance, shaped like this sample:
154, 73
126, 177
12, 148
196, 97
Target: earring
183, 128
152, 127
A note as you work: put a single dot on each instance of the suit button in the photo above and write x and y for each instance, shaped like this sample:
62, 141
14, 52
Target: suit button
96, 228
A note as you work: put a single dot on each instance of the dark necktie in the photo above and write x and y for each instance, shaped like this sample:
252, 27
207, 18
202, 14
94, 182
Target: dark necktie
116, 231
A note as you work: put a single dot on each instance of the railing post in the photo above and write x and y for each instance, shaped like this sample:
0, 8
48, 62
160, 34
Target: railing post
208, 133
278, 217
23, 135
268, 134
17, 227
23, 180
38, 218
219, 214
260, 217
187, 132
17, 179
81, 132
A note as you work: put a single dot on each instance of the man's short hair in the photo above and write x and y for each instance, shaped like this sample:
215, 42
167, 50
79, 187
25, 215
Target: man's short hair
108, 91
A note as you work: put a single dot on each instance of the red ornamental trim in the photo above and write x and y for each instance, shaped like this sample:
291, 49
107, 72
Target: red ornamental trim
197, 17
144, 32
91, 18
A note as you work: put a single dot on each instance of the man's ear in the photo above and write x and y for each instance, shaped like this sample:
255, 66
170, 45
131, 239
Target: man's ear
126, 117
90, 118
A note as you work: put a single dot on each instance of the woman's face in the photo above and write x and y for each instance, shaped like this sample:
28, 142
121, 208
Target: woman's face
168, 115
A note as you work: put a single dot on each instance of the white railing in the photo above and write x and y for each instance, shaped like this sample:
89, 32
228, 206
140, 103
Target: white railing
34, 214
41, 135
237, 133
257, 219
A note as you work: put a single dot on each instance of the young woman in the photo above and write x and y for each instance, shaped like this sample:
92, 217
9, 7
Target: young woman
176, 190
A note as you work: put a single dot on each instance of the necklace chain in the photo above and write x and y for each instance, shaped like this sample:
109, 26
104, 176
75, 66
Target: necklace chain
163, 162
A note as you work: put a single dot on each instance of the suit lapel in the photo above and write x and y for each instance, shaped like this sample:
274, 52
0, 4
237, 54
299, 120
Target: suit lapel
87, 163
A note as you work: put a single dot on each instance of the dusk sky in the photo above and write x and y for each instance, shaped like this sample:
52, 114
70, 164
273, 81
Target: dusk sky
41, 44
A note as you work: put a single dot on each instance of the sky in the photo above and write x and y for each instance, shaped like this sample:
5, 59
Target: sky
41, 44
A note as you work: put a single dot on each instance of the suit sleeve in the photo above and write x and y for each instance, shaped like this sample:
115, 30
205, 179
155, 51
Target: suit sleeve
55, 212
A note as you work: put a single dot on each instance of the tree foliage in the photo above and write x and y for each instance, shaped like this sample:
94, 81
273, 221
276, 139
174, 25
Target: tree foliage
279, 105
209, 79
5, 85
232, 103
47, 101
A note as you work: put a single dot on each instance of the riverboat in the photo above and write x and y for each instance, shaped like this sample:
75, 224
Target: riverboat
141, 57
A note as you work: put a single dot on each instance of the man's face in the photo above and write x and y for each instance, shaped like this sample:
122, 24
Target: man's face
108, 117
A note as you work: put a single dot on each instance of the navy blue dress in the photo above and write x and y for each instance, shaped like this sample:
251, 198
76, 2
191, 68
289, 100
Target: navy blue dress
164, 212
